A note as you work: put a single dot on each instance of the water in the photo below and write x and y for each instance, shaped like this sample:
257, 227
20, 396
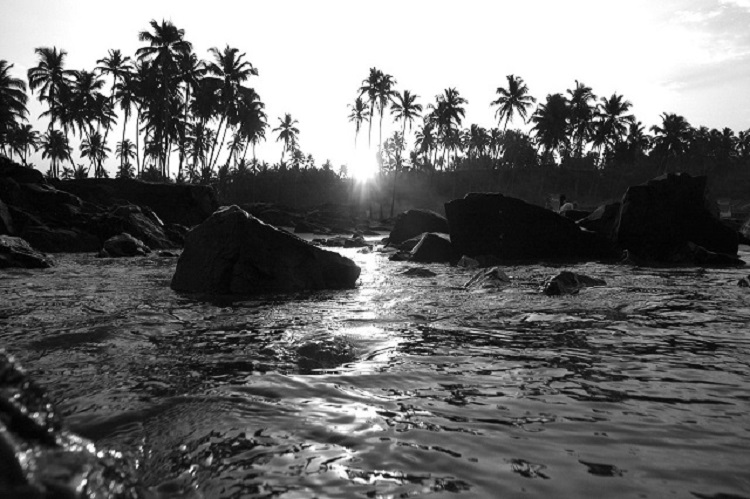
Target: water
636, 389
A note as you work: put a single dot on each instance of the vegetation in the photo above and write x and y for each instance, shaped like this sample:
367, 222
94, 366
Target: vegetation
174, 107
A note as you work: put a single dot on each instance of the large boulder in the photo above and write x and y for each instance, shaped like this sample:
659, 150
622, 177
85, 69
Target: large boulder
569, 283
602, 220
483, 224
123, 245
20, 174
183, 204
412, 223
433, 248
659, 218
15, 252
233, 252
140, 222
745, 231
6, 220
57, 240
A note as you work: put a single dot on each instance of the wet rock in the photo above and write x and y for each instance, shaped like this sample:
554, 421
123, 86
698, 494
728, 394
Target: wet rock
575, 215
123, 245
15, 252
409, 244
140, 222
659, 218
692, 254
6, 220
356, 241
40, 459
61, 240
433, 248
167, 254
744, 282
418, 272
511, 230
324, 354
467, 262
235, 253
745, 231
304, 227
412, 223
602, 220
569, 283
491, 278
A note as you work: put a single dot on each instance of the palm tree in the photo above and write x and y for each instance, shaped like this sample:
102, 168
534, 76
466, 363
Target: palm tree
384, 93
370, 87
359, 115
119, 67
513, 100
55, 146
232, 71
671, 139
125, 151
51, 78
22, 139
582, 114
551, 124
288, 133
13, 101
94, 148
425, 140
406, 109
165, 46
613, 123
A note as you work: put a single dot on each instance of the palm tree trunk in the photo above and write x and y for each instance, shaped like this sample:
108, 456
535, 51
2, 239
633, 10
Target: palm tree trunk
216, 139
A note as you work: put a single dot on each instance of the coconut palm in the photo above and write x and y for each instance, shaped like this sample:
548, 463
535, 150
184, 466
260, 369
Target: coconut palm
359, 115
512, 100
125, 151
370, 86
582, 114
22, 139
118, 66
551, 124
288, 133
384, 93
55, 146
51, 78
425, 140
232, 71
613, 122
13, 101
672, 138
95, 150
405, 109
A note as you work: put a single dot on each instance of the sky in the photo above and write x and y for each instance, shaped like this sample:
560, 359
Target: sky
690, 57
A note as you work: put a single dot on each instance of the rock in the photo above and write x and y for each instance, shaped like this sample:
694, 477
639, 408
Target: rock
483, 224
356, 241
467, 262
40, 459
658, 218
6, 220
409, 244
184, 204
745, 231
141, 223
123, 245
304, 227
575, 215
52, 240
324, 354
20, 174
491, 278
692, 254
176, 233
602, 220
433, 248
418, 272
569, 283
744, 282
15, 252
411, 223
167, 254
233, 252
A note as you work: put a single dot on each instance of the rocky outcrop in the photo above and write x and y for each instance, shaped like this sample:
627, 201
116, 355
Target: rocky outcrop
483, 224
488, 279
412, 223
433, 248
233, 252
659, 218
15, 252
40, 459
183, 204
123, 245
602, 220
569, 283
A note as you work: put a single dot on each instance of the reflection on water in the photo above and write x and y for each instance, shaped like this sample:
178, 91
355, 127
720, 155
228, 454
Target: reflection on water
635, 389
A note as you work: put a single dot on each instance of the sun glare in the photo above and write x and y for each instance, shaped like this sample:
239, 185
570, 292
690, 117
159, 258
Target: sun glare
363, 164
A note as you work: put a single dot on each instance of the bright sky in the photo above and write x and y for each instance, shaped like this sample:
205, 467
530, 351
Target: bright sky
690, 57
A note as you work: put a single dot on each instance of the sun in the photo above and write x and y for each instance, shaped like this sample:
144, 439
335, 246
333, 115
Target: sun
363, 164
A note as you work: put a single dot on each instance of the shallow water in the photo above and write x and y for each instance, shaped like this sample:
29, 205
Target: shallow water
640, 388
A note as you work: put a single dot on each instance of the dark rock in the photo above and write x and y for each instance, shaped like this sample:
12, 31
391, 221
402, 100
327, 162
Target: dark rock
432, 248
400, 256
467, 262
61, 240
744, 282
235, 253
602, 220
15, 252
304, 227
409, 244
176, 233
418, 272
6, 220
692, 254
139, 222
412, 223
483, 224
356, 241
276, 215
324, 354
745, 231
183, 204
123, 245
167, 254
491, 278
575, 215
20, 174
659, 218
569, 283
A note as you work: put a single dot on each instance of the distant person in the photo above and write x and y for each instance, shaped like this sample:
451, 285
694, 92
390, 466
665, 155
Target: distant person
565, 205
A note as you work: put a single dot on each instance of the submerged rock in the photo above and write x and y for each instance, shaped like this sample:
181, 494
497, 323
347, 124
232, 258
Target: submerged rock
491, 278
15, 252
123, 245
569, 283
233, 252
412, 223
324, 354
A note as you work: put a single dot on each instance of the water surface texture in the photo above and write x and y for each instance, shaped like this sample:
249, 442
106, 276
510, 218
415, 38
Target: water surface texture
637, 389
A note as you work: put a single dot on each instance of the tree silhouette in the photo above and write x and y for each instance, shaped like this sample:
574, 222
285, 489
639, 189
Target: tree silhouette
512, 100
